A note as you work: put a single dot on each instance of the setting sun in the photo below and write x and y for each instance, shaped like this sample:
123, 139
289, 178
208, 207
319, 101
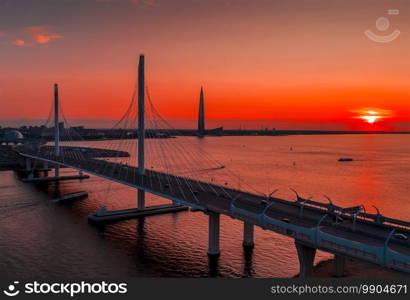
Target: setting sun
372, 115
370, 119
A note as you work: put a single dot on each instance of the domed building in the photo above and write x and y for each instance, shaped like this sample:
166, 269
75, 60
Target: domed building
11, 137
13, 134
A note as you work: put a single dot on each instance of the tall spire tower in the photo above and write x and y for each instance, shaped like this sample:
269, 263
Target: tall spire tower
201, 114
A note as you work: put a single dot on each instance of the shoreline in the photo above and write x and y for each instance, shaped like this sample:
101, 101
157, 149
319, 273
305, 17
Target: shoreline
81, 133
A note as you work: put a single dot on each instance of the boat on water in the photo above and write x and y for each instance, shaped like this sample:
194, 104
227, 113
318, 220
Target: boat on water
345, 159
72, 196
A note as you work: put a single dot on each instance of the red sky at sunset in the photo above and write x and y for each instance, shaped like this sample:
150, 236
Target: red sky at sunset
294, 64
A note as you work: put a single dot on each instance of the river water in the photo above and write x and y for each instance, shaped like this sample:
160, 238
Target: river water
44, 239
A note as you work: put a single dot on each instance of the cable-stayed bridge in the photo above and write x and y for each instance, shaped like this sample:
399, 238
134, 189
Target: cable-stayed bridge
173, 169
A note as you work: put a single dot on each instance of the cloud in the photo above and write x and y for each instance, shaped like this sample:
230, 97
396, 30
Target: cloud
31, 35
41, 34
143, 3
19, 43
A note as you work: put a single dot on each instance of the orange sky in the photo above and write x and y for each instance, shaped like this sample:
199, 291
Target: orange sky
302, 61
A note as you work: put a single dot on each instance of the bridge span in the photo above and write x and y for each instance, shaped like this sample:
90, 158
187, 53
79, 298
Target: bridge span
344, 232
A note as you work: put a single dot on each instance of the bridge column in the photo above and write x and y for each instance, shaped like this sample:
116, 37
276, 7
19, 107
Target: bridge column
28, 164
248, 229
306, 257
213, 239
29, 168
340, 262
45, 167
141, 199
56, 170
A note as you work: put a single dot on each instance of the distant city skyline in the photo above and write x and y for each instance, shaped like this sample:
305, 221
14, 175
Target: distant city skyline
297, 64
227, 124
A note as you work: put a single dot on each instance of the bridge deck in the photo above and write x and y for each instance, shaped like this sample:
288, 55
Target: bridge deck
249, 207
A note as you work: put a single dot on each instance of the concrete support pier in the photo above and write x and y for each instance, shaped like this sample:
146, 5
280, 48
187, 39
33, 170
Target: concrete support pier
29, 168
306, 257
248, 229
140, 199
340, 262
28, 164
57, 171
213, 239
46, 169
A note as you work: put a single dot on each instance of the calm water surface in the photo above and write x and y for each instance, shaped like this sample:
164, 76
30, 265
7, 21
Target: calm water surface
46, 239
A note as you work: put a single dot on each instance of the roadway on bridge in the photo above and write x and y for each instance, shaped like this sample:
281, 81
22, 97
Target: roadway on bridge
219, 199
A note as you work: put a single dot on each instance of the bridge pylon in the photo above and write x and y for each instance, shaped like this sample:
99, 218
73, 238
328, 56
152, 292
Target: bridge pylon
141, 210
56, 130
141, 128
